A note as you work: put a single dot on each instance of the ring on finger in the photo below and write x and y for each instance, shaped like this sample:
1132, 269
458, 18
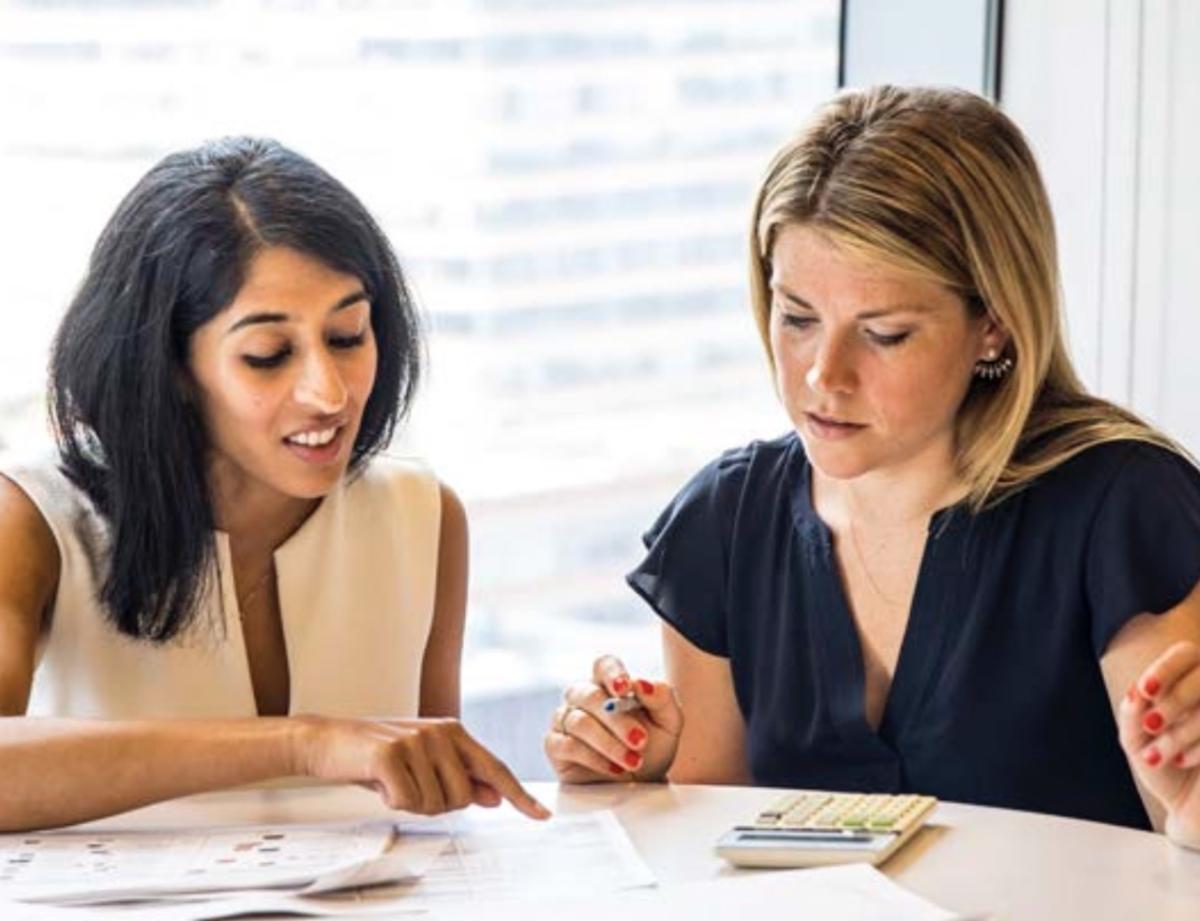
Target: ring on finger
562, 719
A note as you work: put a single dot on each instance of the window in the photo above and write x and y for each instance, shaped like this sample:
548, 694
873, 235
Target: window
567, 183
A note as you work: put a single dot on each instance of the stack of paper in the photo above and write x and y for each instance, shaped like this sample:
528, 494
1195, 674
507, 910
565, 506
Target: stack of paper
79, 868
316, 870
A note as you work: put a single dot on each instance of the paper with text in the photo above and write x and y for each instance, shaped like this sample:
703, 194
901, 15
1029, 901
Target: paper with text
97, 866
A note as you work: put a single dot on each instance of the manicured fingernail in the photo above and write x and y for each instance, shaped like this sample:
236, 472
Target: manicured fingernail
1153, 756
1178, 759
620, 685
1153, 721
636, 736
1151, 686
616, 769
633, 759
645, 686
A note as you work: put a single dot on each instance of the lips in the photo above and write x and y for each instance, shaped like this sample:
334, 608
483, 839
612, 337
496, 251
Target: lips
318, 445
830, 427
834, 420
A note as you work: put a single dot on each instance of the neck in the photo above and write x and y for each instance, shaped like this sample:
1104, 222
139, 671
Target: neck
893, 496
257, 519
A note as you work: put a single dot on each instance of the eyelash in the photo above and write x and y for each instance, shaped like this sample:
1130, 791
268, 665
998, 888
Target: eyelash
886, 341
268, 362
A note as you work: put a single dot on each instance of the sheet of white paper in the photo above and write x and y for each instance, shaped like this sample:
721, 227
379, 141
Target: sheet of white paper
501, 856
477, 856
76, 867
482, 856
853, 892
407, 858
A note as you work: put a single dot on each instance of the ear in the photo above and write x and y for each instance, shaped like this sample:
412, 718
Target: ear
993, 340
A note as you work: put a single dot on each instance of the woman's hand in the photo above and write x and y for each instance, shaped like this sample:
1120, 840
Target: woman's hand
586, 744
1159, 723
426, 766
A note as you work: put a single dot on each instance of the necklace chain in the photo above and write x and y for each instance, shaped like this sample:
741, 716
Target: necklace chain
862, 561
259, 584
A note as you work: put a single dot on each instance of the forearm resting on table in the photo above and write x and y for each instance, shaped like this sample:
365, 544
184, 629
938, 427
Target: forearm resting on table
59, 771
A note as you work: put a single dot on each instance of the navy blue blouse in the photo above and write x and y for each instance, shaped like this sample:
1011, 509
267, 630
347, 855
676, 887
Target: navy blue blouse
997, 696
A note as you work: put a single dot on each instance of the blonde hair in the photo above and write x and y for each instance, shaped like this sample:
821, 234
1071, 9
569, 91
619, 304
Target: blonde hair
940, 183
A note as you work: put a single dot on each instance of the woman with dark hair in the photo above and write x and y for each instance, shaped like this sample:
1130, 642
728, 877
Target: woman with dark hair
216, 537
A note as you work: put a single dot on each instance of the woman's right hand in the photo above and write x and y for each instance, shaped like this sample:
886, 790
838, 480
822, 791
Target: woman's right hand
585, 744
426, 766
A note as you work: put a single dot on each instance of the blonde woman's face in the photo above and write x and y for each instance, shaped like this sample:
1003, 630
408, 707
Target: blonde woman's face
872, 364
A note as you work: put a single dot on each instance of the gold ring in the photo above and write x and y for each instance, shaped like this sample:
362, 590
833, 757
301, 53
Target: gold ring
562, 720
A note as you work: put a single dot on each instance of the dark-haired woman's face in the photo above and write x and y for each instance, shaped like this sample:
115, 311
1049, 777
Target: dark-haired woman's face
283, 375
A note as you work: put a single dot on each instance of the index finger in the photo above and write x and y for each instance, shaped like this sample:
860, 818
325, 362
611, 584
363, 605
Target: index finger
609, 672
1168, 668
487, 768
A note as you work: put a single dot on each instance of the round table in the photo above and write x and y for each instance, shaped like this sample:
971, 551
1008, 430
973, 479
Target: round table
979, 861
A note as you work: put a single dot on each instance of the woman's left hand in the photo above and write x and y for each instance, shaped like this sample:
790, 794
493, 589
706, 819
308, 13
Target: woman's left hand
1159, 724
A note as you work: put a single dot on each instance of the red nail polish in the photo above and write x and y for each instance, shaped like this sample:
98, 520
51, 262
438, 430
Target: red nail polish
1151, 686
633, 759
1178, 759
645, 686
1153, 721
616, 769
620, 685
636, 735
1153, 756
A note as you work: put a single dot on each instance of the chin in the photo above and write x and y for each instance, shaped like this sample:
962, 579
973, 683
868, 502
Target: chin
310, 483
316, 485
837, 464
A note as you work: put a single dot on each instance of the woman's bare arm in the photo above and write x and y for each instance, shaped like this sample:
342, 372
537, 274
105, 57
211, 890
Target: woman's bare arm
60, 771
712, 746
442, 663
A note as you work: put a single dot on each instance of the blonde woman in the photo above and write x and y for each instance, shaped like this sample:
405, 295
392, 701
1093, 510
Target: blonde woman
940, 580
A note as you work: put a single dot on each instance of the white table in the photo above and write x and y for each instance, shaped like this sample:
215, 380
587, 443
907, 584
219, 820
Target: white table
994, 863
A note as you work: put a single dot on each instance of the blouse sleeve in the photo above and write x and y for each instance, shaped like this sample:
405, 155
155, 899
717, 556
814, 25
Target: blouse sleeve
684, 575
1144, 546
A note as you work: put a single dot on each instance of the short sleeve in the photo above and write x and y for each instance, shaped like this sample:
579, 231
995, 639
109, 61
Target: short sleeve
1144, 546
684, 576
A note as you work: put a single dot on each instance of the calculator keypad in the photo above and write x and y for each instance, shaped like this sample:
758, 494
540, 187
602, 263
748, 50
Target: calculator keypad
849, 811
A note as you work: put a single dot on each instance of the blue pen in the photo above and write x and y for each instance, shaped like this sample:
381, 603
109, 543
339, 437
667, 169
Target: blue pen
622, 704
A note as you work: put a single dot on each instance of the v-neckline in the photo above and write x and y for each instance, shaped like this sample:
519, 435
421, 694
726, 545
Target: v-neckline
924, 631
282, 555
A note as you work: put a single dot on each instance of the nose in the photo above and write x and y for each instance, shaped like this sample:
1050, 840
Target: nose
832, 368
320, 384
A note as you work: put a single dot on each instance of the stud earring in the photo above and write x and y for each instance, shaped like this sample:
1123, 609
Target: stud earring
992, 367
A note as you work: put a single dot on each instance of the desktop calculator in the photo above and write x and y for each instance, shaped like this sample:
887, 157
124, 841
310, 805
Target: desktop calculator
811, 828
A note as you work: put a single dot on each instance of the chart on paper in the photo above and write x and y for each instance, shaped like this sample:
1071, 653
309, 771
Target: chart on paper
76, 864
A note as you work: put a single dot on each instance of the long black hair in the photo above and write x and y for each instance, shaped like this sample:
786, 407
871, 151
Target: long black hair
172, 256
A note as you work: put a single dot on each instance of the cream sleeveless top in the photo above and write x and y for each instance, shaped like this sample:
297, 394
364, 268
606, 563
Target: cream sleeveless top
356, 594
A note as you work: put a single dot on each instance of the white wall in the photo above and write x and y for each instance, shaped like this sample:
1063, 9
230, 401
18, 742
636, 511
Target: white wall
890, 42
1109, 93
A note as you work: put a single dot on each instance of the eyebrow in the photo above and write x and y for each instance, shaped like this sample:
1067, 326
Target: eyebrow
868, 315
251, 318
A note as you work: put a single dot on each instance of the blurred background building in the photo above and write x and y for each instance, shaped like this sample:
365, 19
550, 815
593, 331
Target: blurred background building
567, 183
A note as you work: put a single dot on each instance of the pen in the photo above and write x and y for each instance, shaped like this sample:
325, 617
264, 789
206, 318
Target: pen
622, 704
